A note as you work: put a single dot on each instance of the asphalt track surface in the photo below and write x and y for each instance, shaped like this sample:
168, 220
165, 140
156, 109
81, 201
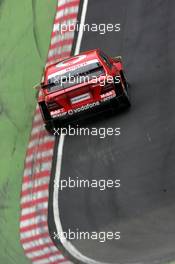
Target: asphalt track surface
143, 209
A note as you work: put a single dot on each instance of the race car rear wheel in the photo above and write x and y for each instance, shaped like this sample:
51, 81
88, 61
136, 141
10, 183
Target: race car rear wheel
49, 126
53, 126
124, 100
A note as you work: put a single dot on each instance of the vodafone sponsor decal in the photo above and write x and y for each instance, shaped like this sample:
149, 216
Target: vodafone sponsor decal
104, 98
83, 108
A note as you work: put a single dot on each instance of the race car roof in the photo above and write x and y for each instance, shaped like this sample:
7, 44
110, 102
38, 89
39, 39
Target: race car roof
72, 63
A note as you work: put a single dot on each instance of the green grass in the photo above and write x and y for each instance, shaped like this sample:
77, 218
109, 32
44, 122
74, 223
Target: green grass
24, 41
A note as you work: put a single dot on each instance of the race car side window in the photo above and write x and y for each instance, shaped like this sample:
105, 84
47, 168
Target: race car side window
106, 59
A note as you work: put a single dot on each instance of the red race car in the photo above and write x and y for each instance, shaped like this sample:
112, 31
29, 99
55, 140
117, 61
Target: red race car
79, 85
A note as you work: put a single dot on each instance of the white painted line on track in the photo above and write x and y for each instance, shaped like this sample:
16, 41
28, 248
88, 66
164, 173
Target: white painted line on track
82, 21
68, 245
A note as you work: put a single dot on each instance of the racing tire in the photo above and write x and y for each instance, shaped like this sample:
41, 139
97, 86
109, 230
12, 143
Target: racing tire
125, 98
124, 101
49, 126
125, 82
52, 127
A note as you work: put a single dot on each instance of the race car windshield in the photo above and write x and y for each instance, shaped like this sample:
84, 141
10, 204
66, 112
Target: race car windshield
74, 77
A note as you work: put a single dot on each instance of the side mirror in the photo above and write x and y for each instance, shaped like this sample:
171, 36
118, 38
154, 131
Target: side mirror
37, 86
